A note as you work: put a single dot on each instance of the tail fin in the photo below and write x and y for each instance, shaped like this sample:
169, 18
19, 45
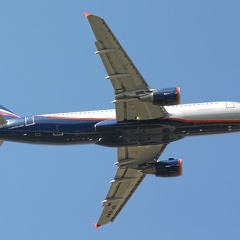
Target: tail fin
5, 114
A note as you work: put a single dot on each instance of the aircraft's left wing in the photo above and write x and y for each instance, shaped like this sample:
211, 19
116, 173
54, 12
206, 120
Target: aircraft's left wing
127, 178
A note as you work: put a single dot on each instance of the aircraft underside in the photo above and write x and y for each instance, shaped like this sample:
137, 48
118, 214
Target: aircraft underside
113, 134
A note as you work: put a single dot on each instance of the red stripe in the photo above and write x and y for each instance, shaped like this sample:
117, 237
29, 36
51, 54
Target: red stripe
87, 119
9, 115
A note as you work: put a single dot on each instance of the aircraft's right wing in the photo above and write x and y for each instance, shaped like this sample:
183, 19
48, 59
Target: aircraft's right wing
127, 178
129, 85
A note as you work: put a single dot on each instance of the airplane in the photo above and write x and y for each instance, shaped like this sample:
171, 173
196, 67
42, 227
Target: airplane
141, 126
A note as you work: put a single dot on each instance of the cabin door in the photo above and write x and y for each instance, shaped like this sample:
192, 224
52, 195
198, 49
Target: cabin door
230, 105
29, 121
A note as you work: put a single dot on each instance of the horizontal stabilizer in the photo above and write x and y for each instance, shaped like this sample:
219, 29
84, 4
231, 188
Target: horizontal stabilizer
2, 121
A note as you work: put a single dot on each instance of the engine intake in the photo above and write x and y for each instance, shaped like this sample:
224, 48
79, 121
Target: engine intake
163, 97
166, 168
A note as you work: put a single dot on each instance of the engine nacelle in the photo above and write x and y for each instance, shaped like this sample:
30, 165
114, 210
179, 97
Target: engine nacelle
163, 97
167, 168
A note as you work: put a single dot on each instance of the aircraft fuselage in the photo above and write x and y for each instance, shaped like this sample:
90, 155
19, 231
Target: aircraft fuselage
100, 127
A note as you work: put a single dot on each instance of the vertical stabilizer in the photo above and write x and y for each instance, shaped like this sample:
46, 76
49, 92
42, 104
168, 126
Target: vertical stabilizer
6, 114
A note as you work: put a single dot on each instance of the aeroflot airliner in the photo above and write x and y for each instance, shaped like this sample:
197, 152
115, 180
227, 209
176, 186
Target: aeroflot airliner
142, 124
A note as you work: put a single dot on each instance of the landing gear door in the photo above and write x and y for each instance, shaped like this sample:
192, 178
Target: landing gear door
29, 121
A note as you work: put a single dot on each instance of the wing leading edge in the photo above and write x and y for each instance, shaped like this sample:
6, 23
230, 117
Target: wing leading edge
129, 86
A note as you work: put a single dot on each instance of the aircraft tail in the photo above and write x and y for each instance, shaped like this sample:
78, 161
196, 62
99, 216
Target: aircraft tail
5, 115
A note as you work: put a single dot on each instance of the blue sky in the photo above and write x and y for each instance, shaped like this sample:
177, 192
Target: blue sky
47, 64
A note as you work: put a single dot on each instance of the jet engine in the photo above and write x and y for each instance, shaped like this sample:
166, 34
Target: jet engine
163, 97
166, 168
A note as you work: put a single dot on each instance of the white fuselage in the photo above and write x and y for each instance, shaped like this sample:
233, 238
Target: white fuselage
205, 111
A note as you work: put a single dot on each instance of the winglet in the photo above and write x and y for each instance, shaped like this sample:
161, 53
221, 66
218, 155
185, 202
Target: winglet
87, 14
96, 225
